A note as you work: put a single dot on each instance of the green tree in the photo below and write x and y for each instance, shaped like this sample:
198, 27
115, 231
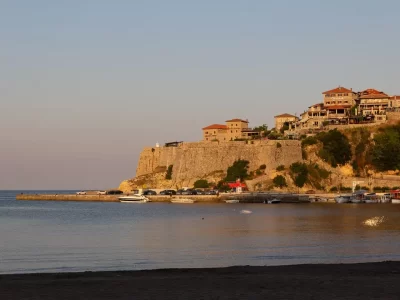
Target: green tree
279, 181
385, 151
280, 168
299, 173
201, 184
336, 148
237, 170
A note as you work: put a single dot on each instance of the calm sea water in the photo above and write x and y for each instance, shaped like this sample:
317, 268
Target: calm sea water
40, 236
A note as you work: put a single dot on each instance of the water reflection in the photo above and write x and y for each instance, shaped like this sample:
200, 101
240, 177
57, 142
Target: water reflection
70, 236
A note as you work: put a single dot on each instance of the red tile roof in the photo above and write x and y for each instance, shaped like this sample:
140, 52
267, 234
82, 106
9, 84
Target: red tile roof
395, 97
337, 90
371, 92
238, 120
374, 96
285, 116
216, 126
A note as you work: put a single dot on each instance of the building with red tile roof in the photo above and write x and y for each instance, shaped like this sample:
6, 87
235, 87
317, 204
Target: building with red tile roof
234, 129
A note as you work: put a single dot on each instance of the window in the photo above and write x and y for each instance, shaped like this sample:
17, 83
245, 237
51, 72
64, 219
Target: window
231, 131
206, 132
214, 132
236, 124
340, 95
328, 102
346, 101
345, 94
206, 139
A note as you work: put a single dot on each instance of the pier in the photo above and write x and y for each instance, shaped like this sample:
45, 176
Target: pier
243, 198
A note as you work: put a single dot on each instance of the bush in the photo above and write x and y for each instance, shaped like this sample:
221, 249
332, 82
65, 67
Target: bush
365, 188
299, 173
263, 167
168, 176
280, 168
201, 184
237, 170
333, 189
279, 181
377, 189
309, 141
385, 188
278, 145
259, 172
336, 148
304, 154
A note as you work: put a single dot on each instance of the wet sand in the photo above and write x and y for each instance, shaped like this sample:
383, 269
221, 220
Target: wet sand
340, 281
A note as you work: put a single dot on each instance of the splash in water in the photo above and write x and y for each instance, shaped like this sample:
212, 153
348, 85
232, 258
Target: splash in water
375, 221
245, 211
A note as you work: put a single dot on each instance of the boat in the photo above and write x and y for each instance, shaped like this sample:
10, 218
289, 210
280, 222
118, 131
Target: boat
395, 195
135, 198
274, 201
358, 196
383, 197
182, 200
371, 198
343, 199
232, 201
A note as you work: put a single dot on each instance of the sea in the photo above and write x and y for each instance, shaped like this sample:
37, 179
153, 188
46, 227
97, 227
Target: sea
46, 236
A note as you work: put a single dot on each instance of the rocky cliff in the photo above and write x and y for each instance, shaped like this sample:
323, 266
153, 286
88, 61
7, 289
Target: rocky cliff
208, 160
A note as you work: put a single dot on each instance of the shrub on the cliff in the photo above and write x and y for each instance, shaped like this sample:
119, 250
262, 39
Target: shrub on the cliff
263, 167
259, 172
333, 189
299, 173
308, 141
237, 170
385, 151
278, 145
280, 168
168, 176
201, 184
279, 181
336, 148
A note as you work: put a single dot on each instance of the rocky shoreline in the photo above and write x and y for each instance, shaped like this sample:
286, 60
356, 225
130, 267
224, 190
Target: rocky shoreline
318, 281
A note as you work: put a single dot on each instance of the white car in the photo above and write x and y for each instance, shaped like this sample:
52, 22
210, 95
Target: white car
81, 193
101, 193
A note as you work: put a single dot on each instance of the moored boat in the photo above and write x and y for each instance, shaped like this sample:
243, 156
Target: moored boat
343, 199
232, 201
136, 198
395, 195
182, 200
274, 201
371, 198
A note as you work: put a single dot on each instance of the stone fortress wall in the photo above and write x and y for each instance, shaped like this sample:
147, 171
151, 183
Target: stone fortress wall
192, 161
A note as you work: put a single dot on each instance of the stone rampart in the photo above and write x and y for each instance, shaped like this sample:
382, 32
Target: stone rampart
192, 161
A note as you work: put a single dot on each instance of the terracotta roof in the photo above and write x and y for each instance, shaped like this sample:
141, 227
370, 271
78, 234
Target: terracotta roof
374, 96
339, 89
216, 126
395, 97
371, 92
238, 120
285, 116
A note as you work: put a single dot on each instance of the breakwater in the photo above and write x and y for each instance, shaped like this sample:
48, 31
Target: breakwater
245, 197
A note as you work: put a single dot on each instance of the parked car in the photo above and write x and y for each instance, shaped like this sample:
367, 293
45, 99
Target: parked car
180, 191
149, 192
81, 193
189, 192
200, 192
168, 192
211, 192
114, 192
101, 193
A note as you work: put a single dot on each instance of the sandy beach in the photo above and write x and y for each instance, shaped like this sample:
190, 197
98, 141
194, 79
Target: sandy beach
330, 281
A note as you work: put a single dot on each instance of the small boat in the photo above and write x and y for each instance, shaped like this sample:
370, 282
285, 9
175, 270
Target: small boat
135, 198
274, 201
395, 195
232, 201
343, 199
371, 198
182, 200
384, 197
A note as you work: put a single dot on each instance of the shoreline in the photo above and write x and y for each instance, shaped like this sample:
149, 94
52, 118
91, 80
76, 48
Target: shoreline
320, 281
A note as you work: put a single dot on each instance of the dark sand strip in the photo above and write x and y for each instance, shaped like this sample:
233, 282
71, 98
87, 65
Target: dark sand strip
341, 281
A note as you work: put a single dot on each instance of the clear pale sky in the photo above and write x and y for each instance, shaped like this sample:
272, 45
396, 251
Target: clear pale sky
85, 85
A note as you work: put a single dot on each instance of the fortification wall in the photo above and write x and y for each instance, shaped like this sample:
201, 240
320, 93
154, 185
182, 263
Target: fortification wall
192, 161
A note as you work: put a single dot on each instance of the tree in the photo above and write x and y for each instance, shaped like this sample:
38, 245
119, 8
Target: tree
279, 181
385, 152
237, 170
336, 148
201, 184
299, 173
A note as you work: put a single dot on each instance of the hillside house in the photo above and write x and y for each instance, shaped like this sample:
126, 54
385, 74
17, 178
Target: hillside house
373, 102
284, 119
233, 130
338, 101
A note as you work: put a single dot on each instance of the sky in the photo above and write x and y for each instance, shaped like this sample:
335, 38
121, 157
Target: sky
86, 84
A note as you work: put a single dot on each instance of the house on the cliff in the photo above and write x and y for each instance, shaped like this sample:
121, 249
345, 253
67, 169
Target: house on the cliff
233, 129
